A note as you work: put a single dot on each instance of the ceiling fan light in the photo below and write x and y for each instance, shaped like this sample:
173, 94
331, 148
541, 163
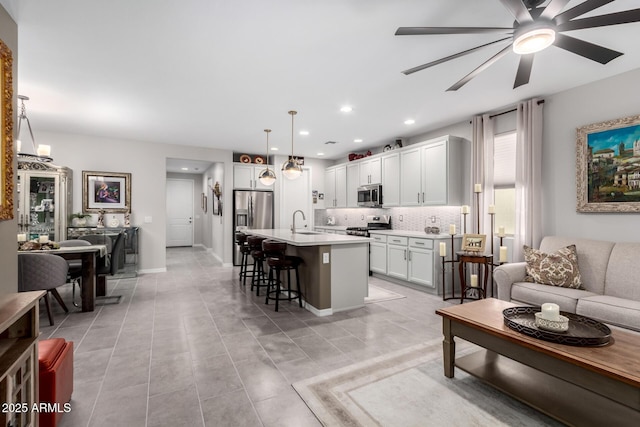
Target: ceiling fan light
291, 169
534, 41
267, 177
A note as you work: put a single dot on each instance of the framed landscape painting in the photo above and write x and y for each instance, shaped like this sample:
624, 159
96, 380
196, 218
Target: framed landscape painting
106, 191
608, 166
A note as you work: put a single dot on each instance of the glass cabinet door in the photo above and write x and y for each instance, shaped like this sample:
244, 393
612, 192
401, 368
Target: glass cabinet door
39, 214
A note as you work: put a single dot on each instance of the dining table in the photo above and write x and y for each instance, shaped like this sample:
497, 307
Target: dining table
88, 255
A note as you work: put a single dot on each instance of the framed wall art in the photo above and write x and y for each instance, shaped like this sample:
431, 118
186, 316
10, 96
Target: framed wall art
473, 242
106, 191
6, 133
608, 166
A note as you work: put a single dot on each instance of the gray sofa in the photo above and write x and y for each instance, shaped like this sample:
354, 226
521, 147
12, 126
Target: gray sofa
610, 282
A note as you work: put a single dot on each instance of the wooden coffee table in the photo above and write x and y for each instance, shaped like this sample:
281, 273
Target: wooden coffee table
577, 385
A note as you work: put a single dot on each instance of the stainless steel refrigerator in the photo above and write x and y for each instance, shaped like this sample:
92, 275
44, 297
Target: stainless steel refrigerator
251, 210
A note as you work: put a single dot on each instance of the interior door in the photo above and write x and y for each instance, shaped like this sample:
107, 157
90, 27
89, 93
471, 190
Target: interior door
179, 212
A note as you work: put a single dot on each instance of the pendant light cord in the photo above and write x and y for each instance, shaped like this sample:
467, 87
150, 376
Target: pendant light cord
293, 113
267, 131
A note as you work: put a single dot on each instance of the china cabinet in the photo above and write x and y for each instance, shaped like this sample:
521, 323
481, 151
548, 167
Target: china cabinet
44, 199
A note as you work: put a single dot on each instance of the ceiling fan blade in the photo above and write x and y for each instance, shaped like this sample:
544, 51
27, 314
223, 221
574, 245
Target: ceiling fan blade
417, 31
579, 10
448, 58
616, 18
553, 8
481, 68
588, 50
518, 10
524, 70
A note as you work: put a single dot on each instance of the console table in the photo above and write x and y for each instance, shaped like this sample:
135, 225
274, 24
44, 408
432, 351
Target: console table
129, 260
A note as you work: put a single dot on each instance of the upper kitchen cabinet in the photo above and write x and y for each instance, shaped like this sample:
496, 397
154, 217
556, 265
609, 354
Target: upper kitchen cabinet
390, 180
335, 186
370, 171
441, 166
245, 176
44, 199
353, 182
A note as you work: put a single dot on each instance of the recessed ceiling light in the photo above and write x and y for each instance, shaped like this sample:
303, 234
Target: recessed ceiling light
185, 169
274, 148
304, 132
320, 154
357, 140
409, 122
346, 109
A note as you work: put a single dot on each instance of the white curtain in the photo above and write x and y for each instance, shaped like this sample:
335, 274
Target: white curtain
528, 176
481, 173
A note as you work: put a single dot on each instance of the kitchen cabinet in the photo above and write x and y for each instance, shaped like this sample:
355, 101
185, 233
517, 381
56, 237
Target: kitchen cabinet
420, 262
437, 163
353, 182
335, 187
44, 199
397, 257
370, 171
390, 180
378, 254
245, 176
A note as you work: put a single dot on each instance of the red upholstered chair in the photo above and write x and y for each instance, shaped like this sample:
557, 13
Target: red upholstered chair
55, 360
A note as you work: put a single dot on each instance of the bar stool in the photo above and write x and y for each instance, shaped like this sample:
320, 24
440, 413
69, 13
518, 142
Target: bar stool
279, 262
258, 277
241, 240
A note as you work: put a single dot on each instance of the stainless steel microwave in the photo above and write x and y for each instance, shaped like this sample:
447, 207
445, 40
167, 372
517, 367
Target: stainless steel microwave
370, 196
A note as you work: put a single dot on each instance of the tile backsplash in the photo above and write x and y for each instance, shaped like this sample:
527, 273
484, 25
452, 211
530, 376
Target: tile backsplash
411, 218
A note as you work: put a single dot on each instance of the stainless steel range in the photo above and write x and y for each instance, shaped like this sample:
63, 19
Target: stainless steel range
374, 222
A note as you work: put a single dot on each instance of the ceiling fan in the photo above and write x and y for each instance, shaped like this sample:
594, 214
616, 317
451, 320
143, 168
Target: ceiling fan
534, 29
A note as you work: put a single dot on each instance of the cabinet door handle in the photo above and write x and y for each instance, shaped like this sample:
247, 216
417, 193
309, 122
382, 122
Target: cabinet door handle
405, 254
419, 243
423, 197
418, 197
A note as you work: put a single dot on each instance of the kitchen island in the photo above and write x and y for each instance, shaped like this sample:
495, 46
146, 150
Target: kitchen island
335, 273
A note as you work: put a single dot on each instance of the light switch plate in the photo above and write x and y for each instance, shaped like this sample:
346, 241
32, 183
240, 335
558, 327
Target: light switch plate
325, 257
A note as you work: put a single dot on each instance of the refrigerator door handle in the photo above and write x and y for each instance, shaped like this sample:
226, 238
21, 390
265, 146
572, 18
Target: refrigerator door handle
250, 213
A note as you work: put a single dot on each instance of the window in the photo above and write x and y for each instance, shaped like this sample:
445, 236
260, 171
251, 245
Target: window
504, 181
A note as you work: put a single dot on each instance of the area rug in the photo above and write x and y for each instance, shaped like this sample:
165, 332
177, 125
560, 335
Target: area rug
377, 294
408, 388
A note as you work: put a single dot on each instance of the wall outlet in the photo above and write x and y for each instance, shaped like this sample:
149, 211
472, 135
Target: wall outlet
400, 218
433, 219
325, 257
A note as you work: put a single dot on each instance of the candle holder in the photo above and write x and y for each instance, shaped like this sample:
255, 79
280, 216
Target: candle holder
464, 223
493, 216
452, 261
477, 206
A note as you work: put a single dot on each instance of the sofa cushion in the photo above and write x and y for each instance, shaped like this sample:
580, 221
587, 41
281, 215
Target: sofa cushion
622, 273
593, 258
538, 294
559, 268
608, 309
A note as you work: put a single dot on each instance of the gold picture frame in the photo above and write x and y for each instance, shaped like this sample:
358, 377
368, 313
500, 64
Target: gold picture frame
6, 133
607, 166
106, 191
473, 242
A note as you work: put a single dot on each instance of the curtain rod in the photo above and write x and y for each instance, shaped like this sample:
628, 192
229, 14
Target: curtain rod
512, 110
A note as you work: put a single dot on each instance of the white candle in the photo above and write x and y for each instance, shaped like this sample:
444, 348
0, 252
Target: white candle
443, 249
465, 209
452, 229
501, 231
22, 237
18, 146
550, 311
44, 150
474, 280
477, 188
503, 254
43, 239
492, 209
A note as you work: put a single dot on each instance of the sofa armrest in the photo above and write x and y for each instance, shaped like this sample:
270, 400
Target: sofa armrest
507, 274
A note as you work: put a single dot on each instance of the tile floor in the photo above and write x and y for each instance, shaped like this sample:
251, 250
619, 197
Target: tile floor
191, 347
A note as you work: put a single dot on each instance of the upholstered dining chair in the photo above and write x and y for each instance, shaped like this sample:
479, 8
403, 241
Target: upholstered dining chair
43, 272
75, 266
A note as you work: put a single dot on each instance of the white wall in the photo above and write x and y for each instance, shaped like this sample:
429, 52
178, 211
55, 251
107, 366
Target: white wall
9, 228
564, 112
215, 224
147, 164
198, 215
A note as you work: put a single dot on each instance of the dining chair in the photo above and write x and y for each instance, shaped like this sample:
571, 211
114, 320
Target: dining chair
75, 266
43, 272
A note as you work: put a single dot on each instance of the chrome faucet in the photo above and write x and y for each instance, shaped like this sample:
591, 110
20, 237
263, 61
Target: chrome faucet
293, 226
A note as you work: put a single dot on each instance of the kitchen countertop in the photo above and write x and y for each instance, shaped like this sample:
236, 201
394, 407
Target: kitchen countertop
420, 234
332, 227
309, 238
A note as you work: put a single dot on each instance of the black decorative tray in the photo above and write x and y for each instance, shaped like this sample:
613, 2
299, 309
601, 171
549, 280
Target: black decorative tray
582, 331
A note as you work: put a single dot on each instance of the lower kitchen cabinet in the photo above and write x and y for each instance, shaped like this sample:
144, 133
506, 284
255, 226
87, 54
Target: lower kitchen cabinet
420, 267
378, 254
397, 257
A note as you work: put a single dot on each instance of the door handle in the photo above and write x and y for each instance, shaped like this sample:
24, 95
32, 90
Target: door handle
409, 255
418, 197
190, 220
422, 197
405, 254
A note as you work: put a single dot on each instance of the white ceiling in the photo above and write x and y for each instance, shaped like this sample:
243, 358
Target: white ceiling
216, 73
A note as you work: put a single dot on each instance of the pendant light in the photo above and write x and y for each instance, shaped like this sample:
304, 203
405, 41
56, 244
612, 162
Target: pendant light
40, 154
267, 176
291, 168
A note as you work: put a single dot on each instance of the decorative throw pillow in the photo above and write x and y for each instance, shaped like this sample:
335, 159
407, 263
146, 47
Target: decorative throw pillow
557, 269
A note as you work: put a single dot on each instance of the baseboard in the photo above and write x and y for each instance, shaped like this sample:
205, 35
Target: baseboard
320, 313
